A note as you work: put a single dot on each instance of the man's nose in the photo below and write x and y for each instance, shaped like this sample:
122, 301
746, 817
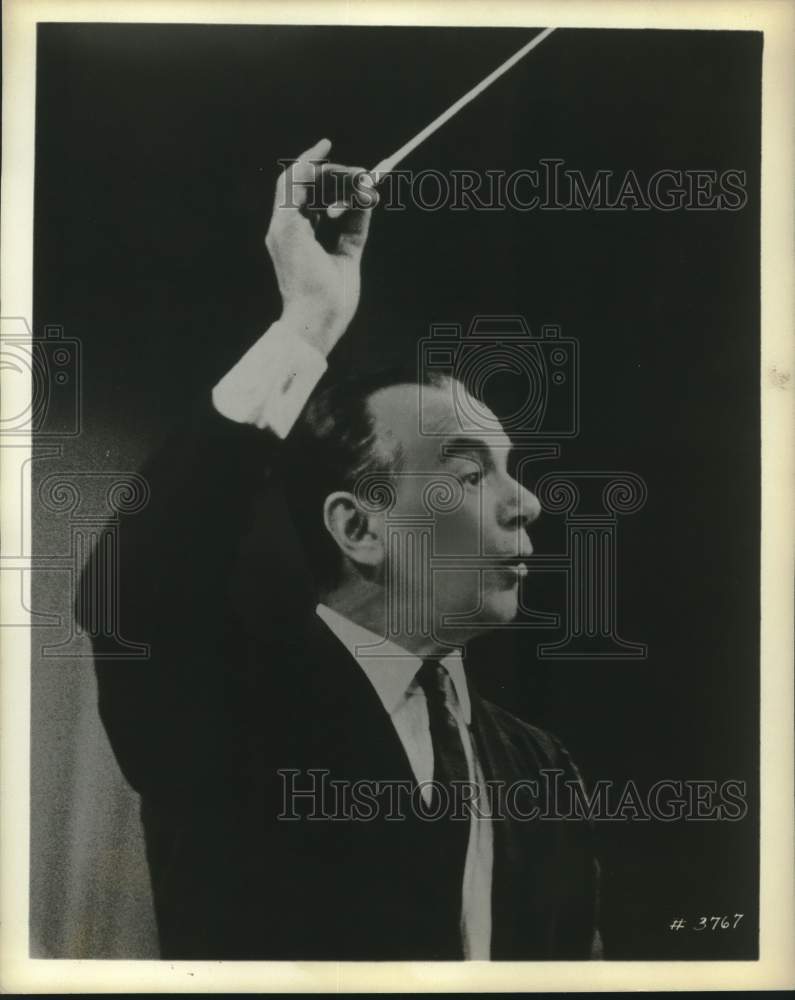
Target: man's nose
523, 507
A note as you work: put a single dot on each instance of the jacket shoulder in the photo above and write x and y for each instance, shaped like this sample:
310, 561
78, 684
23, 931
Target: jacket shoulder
544, 746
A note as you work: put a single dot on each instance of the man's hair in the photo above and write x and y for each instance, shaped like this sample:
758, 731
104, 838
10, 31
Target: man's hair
332, 446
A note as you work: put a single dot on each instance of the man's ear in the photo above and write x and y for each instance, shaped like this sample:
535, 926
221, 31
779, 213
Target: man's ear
359, 534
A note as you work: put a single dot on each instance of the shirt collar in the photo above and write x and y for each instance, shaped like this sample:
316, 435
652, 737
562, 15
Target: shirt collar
391, 670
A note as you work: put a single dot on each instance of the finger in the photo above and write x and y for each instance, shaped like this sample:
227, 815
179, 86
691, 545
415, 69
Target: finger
355, 227
311, 184
293, 184
339, 208
305, 167
335, 185
346, 188
320, 150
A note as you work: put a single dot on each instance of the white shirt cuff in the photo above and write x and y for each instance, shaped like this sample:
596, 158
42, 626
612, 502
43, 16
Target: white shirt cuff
271, 383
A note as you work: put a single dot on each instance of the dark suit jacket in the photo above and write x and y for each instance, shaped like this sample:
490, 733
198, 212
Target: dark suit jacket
210, 727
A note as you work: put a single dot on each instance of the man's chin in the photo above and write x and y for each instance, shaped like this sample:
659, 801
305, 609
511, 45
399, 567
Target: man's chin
501, 606
470, 613
497, 608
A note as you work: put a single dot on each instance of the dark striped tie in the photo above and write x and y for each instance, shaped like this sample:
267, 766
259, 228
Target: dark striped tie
449, 767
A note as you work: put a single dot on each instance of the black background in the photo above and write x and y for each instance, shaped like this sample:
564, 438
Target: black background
155, 161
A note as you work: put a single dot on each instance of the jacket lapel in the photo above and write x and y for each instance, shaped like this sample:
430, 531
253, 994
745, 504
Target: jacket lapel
350, 718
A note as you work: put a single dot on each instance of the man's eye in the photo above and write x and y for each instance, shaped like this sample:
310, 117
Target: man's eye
472, 478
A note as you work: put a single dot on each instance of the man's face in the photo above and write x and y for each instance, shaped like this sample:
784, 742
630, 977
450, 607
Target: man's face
456, 502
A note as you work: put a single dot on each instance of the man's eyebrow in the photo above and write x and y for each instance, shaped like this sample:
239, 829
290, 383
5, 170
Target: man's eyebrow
462, 445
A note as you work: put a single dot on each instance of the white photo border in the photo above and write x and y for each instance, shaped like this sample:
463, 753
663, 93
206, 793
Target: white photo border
775, 968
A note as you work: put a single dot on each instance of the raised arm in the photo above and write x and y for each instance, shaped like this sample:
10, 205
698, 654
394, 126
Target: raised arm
178, 554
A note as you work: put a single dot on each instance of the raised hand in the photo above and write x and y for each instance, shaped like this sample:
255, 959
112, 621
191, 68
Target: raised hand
316, 250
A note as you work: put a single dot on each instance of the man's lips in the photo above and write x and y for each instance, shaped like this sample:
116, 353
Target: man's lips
514, 566
497, 562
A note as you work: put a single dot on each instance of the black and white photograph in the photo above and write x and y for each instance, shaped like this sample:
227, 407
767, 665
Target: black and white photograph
392, 494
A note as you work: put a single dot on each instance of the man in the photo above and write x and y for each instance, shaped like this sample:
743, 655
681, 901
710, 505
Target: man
236, 737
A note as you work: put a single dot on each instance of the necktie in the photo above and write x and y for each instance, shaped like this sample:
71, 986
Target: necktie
449, 758
449, 767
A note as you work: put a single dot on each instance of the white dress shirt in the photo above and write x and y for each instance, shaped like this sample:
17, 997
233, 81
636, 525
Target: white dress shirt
269, 387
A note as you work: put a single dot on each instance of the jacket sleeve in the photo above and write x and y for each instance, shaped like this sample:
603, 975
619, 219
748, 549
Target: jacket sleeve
175, 559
